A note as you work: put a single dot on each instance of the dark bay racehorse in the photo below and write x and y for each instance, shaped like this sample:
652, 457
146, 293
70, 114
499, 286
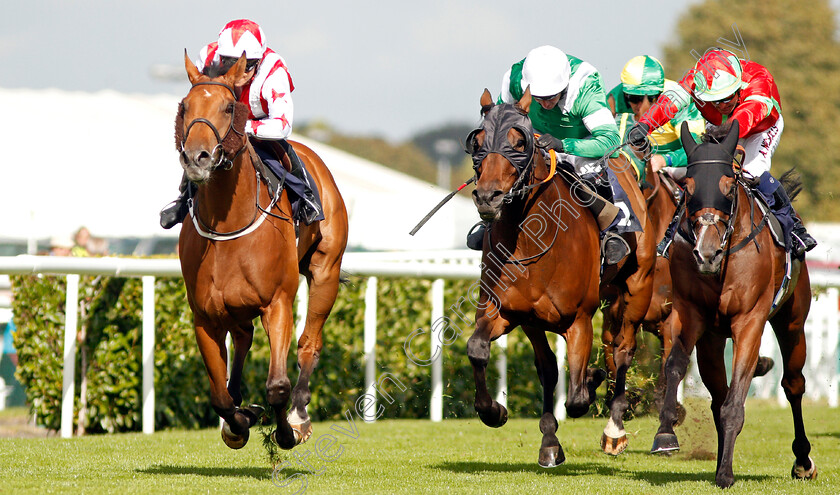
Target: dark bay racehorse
540, 271
729, 278
240, 263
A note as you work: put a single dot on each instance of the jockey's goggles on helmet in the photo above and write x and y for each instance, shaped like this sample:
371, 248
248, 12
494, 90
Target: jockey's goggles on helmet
227, 62
636, 99
726, 100
551, 97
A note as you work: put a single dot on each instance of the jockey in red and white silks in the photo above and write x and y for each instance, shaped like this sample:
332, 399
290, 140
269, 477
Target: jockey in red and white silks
269, 92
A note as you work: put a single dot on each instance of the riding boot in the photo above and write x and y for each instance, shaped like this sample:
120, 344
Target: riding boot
801, 240
613, 247
176, 211
668, 238
309, 208
475, 237
777, 199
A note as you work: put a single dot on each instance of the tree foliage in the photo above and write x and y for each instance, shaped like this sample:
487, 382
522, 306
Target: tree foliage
797, 42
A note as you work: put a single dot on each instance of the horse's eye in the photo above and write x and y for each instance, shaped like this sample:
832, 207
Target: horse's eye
229, 108
520, 143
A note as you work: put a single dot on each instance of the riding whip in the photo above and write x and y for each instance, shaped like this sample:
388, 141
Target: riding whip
439, 205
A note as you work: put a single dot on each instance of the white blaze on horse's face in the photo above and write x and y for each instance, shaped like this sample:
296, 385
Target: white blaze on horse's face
202, 150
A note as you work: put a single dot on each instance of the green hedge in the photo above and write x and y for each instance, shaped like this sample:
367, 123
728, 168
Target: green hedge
111, 314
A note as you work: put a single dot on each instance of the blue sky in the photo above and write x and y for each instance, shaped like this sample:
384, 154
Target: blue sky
365, 67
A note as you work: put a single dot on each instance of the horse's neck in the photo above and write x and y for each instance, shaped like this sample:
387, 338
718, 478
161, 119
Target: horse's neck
747, 215
532, 222
229, 196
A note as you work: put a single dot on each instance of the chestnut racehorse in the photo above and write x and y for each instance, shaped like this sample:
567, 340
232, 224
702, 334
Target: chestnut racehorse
729, 278
239, 258
540, 271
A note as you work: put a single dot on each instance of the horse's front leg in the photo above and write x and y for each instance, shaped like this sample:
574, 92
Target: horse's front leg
242, 338
279, 325
680, 335
746, 336
583, 381
211, 344
487, 328
551, 452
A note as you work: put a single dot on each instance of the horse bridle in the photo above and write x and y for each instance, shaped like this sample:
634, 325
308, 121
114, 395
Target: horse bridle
223, 161
524, 169
730, 227
227, 163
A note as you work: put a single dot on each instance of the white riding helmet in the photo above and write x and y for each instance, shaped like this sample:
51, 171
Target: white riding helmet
546, 70
240, 36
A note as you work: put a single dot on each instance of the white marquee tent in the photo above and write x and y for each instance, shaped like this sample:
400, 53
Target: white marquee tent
107, 161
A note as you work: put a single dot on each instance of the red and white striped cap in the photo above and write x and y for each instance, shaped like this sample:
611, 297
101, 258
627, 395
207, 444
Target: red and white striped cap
242, 35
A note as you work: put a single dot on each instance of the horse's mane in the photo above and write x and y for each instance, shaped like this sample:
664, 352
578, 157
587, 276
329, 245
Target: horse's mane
715, 134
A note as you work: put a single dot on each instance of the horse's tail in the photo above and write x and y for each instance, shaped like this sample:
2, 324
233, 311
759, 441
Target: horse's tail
792, 183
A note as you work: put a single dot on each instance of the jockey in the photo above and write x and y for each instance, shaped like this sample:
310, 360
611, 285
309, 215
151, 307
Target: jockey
570, 113
642, 81
725, 89
268, 95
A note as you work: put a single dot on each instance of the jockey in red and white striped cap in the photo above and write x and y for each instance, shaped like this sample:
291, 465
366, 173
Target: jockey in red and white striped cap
268, 95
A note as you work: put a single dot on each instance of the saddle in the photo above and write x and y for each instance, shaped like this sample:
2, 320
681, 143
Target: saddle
280, 168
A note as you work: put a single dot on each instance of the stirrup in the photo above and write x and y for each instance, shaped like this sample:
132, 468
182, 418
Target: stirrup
475, 237
174, 213
614, 252
662, 249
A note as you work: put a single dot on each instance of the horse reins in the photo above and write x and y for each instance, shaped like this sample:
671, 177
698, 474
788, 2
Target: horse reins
227, 163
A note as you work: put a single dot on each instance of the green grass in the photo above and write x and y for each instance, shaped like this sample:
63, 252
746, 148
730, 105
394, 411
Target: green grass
409, 456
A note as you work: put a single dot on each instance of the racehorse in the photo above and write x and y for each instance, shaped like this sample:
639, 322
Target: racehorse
660, 194
540, 271
728, 279
239, 258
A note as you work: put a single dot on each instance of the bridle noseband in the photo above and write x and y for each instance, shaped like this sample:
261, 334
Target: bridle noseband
223, 161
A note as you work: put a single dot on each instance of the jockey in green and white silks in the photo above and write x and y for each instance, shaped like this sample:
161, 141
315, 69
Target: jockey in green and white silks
570, 103
569, 111
642, 81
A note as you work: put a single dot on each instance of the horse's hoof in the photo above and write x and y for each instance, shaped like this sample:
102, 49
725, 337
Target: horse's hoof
665, 443
765, 364
302, 432
232, 440
613, 446
253, 412
495, 417
800, 473
551, 456
285, 444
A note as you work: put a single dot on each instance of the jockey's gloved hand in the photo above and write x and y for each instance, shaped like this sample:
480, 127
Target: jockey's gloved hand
637, 138
549, 142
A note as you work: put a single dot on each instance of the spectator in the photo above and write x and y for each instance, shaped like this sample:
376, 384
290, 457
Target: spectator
60, 246
82, 243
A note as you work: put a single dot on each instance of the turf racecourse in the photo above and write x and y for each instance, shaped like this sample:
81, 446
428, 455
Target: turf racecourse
409, 456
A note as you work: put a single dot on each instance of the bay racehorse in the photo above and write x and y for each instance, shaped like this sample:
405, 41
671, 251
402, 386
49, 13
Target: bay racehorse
240, 261
540, 270
661, 198
729, 278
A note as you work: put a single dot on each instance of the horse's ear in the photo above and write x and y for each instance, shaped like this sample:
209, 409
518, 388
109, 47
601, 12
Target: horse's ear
686, 138
731, 140
524, 103
192, 70
486, 101
236, 76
